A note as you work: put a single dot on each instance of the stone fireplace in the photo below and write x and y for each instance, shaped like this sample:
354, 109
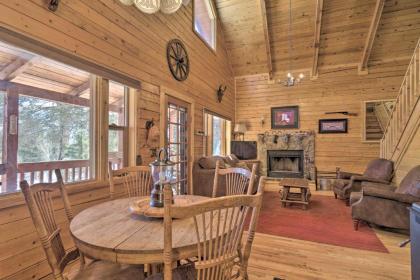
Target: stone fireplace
287, 154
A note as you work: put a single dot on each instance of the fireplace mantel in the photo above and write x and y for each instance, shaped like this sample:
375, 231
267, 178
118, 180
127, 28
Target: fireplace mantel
287, 140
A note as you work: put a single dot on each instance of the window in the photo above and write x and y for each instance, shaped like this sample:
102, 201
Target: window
46, 115
118, 129
218, 134
205, 22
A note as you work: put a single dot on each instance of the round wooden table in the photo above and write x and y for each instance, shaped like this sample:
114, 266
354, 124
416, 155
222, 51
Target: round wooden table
108, 231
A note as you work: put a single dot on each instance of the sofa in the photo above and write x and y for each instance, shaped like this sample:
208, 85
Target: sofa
204, 170
377, 171
386, 205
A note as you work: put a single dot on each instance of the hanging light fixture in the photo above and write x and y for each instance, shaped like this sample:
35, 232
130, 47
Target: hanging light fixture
153, 6
290, 79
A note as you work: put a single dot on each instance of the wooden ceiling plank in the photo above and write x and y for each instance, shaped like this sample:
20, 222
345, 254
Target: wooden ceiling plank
77, 91
11, 67
17, 67
267, 37
363, 66
317, 38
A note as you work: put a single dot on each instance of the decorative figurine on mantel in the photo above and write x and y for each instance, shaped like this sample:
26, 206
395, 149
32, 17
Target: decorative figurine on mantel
162, 175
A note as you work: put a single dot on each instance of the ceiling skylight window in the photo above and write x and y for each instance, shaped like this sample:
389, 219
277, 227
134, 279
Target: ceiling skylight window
205, 22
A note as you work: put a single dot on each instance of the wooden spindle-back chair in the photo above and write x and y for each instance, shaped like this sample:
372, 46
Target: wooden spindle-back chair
219, 225
39, 199
137, 180
237, 180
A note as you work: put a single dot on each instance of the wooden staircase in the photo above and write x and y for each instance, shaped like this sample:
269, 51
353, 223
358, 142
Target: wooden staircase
405, 117
373, 128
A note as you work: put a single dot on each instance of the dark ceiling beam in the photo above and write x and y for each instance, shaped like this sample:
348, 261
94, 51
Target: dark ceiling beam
317, 38
266, 37
363, 65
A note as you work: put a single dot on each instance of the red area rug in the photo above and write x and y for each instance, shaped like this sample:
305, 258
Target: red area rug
327, 220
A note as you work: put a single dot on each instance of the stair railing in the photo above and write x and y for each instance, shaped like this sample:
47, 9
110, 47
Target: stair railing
406, 102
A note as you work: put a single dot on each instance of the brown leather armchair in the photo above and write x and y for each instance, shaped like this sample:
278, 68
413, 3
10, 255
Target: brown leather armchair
387, 205
377, 171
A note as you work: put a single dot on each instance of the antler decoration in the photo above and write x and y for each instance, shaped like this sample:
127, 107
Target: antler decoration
53, 5
221, 93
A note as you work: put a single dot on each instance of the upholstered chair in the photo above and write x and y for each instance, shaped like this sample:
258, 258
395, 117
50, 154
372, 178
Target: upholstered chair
377, 171
386, 205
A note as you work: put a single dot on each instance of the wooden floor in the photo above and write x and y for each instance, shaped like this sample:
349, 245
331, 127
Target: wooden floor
286, 258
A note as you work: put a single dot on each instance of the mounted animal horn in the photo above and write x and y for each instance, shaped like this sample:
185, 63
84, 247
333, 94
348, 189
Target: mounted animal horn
221, 93
53, 5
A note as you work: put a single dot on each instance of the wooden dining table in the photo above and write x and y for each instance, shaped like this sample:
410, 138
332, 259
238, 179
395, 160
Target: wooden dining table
110, 232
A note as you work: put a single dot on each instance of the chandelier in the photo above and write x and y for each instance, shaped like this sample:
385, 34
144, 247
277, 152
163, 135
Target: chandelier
290, 79
153, 6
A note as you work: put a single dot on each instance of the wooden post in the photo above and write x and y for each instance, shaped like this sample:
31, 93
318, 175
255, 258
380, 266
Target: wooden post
10, 138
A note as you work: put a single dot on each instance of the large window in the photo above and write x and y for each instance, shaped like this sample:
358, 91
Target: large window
51, 117
205, 22
45, 120
218, 134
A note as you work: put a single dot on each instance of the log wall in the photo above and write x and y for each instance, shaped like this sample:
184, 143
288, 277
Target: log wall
130, 43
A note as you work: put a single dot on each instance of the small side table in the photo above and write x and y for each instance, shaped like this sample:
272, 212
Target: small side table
301, 197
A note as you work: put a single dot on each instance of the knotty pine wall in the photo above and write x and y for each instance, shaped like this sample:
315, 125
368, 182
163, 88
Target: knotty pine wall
127, 41
339, 90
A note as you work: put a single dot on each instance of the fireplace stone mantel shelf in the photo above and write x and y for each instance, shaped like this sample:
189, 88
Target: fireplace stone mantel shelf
287, 141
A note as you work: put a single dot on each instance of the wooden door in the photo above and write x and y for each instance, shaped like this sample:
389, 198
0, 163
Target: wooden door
177, 139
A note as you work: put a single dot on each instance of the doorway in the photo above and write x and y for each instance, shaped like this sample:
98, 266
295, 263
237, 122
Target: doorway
177, 130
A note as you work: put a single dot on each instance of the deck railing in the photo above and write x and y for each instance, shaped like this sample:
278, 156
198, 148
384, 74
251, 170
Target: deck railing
406, 102
43, 172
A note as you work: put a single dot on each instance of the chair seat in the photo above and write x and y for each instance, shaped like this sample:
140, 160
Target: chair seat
183, 272
108, 271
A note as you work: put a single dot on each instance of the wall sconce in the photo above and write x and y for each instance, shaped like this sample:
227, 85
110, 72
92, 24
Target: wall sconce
262, 121
220, 93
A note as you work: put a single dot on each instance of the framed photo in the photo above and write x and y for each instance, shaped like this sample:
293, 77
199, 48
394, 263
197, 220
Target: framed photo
285, 117
333, 126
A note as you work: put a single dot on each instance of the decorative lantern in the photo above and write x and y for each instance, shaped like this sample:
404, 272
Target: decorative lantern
162, 174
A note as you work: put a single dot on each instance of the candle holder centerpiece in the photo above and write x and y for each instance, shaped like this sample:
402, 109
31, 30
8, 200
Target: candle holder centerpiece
163, 173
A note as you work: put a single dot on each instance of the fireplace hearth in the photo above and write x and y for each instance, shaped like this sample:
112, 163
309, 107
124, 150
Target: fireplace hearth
285, 163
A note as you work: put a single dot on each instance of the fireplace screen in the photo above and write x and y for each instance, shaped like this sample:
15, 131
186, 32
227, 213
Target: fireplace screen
285, 163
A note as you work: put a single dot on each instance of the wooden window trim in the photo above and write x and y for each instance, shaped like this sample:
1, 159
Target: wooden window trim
214, 26
208, 132
99, 112
364, 104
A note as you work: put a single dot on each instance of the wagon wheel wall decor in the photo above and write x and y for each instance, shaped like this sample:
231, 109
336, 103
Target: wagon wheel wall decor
178, 61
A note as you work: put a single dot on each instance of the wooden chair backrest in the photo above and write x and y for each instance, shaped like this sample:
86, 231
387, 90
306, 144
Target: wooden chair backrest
137, 180
219, 224
238, 180
38, 198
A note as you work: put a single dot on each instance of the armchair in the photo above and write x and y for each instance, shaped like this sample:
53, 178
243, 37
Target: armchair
386, 205
378, 171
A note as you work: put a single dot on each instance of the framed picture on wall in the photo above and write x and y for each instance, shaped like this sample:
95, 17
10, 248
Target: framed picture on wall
333, 126
285, 117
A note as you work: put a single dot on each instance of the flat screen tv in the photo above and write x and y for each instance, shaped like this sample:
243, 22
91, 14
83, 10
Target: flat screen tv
244, 149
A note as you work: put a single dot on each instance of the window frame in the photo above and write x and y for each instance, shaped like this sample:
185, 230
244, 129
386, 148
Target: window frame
208, 145
99, 129
210, 9
124, 128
